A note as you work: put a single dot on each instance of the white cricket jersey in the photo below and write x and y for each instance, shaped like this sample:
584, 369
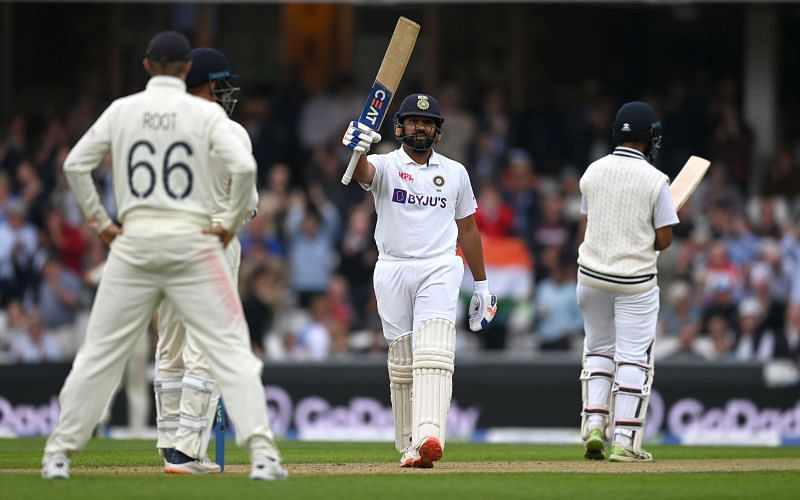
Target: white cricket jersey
417, 205
221, 181
161, 141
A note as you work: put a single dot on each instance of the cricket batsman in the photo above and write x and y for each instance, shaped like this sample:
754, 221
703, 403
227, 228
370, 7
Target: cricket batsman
629, 216
425, 205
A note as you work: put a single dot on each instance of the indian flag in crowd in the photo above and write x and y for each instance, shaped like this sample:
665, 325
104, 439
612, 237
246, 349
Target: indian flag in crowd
509, 267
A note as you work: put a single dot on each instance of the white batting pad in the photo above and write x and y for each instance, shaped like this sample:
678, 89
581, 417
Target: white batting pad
168, 400
401, 356
434, 356
195, 414
631, 396
597, 376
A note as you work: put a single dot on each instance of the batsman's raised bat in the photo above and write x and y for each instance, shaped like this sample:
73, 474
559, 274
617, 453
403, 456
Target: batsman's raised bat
392, 68
687, 180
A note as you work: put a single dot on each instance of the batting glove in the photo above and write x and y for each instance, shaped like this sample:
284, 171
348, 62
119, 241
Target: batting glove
482, 306
360, 138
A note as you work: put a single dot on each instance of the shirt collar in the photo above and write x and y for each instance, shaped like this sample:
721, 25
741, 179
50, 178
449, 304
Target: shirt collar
629, 152
407, 160
163, 81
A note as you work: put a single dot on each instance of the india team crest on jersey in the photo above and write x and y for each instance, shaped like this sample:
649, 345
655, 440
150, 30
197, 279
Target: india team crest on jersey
438, 181
422, 102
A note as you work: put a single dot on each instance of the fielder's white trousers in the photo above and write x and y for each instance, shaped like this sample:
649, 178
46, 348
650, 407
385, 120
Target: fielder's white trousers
619, 324
149, 261
410, 291
177, 352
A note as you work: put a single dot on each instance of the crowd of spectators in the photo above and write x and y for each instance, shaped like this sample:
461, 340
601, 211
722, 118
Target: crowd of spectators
730, 282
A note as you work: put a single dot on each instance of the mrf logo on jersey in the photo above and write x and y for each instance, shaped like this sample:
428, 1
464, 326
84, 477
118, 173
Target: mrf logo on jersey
406, 176
376, 106
405, 198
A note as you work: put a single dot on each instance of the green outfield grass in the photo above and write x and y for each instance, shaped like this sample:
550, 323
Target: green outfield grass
25, 454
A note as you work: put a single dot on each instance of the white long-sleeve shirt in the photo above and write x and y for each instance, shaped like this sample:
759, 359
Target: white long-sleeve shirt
162, 141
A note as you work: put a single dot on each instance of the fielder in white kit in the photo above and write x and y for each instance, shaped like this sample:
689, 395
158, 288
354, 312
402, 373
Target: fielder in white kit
160, 140
629, 218
186, 395
425, 205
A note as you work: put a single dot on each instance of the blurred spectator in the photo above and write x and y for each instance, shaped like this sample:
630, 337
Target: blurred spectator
32, 192
311, 226
494, 216
788, 346
313, 340
325, 173
260, 241
14, 146
358, 257
6, 197
743, 246
753, 341
519, 186
721, 305
29, 343
66, 240
682, 315
552, 228
571, 195
460, 127
262, 294
558, 317
720, 273
731, 142
60, 299
325, 113
721, 334
18, 244
782, 178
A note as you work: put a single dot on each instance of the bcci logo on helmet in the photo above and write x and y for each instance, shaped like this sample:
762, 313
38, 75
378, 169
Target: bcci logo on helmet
422, 102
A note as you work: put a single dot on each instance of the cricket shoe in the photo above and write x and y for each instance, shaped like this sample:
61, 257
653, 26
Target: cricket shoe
593, 447
176, 462
55, 466
621, 454
410, 457
422, 457
267, 469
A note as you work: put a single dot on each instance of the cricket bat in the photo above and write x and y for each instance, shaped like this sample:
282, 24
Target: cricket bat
687, 180
392, 68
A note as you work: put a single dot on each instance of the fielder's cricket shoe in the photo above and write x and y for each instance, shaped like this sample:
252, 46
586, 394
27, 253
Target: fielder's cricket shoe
593, 447
55, 466
211, 466
177, 462
621, 454
267, 469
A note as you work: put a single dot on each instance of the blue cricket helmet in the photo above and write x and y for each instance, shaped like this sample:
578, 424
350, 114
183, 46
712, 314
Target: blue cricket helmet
211, 65
637, 122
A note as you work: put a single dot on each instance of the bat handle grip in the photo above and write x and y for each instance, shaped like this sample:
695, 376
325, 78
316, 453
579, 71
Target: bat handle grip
348, 174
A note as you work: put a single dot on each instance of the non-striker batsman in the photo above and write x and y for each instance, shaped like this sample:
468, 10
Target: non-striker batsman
629, 218
425, 205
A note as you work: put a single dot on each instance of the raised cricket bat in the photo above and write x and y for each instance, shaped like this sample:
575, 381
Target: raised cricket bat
392, 68
687, 180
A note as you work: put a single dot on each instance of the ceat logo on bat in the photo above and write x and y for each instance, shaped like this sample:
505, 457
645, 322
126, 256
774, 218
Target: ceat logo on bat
376, 106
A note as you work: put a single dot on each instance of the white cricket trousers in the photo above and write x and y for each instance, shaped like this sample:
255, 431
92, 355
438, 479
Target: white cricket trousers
151, 260
177, 352
618, 324
410, 291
